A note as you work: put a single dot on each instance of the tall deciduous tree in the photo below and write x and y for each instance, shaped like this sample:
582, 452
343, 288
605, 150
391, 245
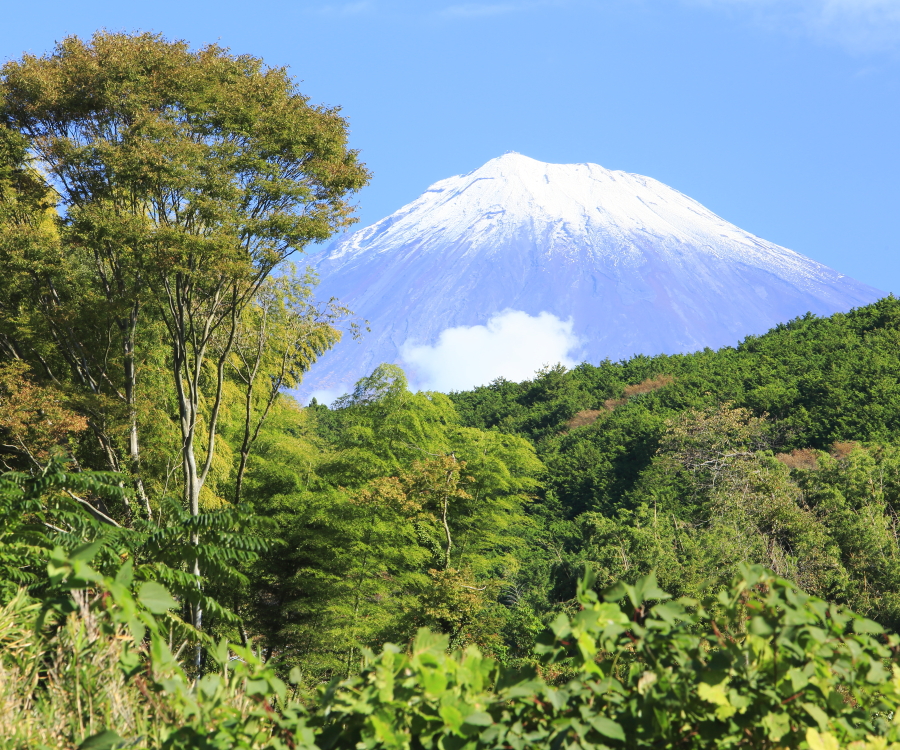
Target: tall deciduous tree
183, 180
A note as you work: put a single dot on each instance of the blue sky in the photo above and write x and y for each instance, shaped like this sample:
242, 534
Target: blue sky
782, 116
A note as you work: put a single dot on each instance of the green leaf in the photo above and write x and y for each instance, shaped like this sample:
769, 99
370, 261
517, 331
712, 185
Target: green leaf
451, 716
434, 681
610, 613
877, 674
210, 684
156, 598
85, 552
863, 625
219, 652
714, 694
776, 725
645, 589
818, 715
608, 728
759, 626
798, 679
561, 626
669, 612
429, 642
137, 629
125, 574
104, 740
479, 719
824, 741
257, 687
129, 663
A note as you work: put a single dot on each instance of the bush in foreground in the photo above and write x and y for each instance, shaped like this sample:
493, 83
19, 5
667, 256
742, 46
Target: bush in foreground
95, 664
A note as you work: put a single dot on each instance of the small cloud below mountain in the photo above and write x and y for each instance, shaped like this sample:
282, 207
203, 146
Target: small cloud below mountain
512, 345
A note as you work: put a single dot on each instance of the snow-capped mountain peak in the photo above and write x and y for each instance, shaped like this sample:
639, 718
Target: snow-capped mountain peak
638, 266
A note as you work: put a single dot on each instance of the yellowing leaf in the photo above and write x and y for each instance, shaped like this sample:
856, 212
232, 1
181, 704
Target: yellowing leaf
714, 694
817, 741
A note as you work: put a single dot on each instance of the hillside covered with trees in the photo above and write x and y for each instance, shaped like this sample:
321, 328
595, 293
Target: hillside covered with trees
780, 451
570, 561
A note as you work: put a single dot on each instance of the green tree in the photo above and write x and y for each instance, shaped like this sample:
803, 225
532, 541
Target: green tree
279, 337
182, 180
389, 511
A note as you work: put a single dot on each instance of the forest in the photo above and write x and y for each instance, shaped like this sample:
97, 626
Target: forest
695, 550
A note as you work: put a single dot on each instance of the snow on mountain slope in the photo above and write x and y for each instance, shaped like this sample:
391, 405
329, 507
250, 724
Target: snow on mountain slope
638, 267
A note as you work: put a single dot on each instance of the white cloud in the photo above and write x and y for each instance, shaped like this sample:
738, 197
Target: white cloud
513, 345
859, 25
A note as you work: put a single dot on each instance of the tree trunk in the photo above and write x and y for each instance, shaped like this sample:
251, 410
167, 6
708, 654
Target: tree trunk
191, 335
130, 375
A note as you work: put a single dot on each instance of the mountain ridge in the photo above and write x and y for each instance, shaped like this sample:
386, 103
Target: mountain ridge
639, 267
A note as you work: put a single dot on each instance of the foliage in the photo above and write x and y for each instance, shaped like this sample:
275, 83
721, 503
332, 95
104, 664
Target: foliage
389, 514
150, 192
759, 664
33, 419
43, 513
97, 664
149, 196
32, 510
779, 452
150, 324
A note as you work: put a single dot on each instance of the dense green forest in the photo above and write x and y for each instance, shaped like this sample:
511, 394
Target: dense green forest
780, 451
558, 559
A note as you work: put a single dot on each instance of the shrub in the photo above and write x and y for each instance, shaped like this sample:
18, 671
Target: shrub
759, 665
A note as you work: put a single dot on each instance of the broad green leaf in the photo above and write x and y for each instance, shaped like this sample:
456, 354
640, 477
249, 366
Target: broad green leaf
434, 681
798, 678
85, 552
257, 687
776, 725
818, 715
863, 625
210, 684
608, 728
156, 598
451, 716
877, 674
125, 574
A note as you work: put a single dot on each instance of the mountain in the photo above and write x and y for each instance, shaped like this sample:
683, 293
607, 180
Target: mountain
634, 265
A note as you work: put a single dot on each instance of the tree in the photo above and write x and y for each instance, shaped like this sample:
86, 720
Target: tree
182, 181
32, 419
397, 516
279, 337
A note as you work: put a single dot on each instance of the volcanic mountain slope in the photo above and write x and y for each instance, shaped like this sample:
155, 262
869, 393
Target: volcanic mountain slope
638, 267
